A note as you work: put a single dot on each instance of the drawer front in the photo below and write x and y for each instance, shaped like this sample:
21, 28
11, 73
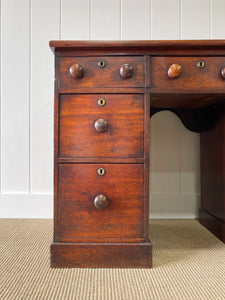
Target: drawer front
80, 125
101, 72
188, 73
80, 184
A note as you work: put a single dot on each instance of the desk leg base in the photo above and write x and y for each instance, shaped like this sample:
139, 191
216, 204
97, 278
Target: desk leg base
101, 255
214, 225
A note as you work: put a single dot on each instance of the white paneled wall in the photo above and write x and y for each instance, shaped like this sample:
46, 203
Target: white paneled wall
135, 19
175, 168
44, 26
15, 88
166, 20
75, 20
196, 19
105, 20
27, 79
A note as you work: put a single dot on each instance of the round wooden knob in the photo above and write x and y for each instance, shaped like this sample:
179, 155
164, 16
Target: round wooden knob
101, 125
76, 71
126, 71
174, 71
223, 73
101, 201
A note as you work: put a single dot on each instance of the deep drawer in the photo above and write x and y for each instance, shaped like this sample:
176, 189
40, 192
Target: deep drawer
80, 125
79, 184
101, 71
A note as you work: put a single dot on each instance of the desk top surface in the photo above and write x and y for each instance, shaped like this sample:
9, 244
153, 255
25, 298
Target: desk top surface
147, 44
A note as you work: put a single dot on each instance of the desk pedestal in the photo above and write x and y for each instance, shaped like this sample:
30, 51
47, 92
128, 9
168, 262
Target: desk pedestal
212, 214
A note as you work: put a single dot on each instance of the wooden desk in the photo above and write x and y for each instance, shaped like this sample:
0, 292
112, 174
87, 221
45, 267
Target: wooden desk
105, 93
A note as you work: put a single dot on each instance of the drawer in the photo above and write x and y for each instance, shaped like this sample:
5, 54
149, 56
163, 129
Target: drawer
115, 128
101, 71
122, 187
188, 73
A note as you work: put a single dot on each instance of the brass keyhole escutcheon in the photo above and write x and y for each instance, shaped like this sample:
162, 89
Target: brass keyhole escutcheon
101, 102
101, 171
101, 63
201, 64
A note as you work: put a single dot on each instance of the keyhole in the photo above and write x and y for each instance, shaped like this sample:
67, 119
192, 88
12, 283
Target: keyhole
101, 64
101, 171
101, 102
201, 64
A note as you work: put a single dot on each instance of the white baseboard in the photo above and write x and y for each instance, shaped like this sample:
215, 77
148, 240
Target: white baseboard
162, 206
174, 205
155, 216
32, 206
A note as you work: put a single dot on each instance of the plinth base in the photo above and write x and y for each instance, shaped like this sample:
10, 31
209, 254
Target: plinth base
101, 255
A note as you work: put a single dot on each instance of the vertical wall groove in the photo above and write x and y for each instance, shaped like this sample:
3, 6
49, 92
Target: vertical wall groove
210, 9
150, 31
121, 8
150, 19
30, 67
0, 96
60, 19
181, 19
90, 25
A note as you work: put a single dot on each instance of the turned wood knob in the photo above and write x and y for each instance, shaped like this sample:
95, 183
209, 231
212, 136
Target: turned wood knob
126, 71
76, 71
101, 125
223, 73
101, 201
174, 71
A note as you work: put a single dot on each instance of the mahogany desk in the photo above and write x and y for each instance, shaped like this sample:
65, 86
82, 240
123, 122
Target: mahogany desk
105, 93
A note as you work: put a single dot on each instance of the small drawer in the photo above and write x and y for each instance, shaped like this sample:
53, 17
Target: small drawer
115, 71
100, 206
101, 125
177, 74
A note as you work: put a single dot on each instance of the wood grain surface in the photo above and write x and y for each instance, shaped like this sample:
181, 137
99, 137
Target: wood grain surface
94, 76
100, 216
192, 78
78, 136
175, 45
122, 218
101, 255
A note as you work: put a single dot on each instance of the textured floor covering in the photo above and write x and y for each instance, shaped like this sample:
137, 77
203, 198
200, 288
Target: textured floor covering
189, 263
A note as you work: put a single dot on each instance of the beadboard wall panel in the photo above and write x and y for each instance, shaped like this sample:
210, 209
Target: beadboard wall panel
15, 86
135, 20
196, 19
165, 20
41, 95
217, 22
105, 20
75, 19
189, 162
27, 81
165, 149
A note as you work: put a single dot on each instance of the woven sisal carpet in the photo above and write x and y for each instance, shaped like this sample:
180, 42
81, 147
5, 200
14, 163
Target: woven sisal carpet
189, 263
